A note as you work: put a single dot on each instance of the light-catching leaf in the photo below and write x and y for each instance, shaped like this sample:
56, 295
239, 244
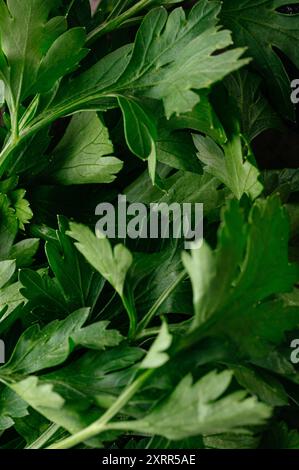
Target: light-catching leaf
172, 56
11, 407
229, 165
38, 395
194, 409
239, 299
45, 50
39, 349
157, 355
113, 264
83, 156
140, 132
96, 336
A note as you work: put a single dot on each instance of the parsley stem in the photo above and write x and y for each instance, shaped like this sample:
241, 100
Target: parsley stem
102, 424
6, 155
173, 328
15, 126
153, 310
44, 437
116, 22
132, 316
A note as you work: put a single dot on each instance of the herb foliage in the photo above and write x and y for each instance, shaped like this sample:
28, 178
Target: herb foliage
145, 344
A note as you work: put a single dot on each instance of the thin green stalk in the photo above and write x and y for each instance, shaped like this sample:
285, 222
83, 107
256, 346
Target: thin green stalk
152, 312
115, 23
69, 8
132, 316
14, 126
175, 328
102, 424
33, 128
6, 155
118, 9
43, 438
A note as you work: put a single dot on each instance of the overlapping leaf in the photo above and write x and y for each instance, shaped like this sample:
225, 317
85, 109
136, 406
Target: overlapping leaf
36, 50
259, 26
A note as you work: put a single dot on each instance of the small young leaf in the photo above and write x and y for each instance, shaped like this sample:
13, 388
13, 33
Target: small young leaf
157, 355
7, 269
228, 165
113, 264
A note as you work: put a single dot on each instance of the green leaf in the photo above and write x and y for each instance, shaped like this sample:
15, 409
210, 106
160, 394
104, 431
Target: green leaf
232, 441
202, 118
140, 129
229, 165
42, 398
63, 56
177, 150
83, 154
40, 349
173, 55
198, 408
2, 90
211, 272
157, 355
242, 271
31, 427
8, 227
181, 187
260, 27
86, 90
21, 206
46, 51
11, 301
43, 291
97, 372
7, 269
259, 329
140, 132
255, 113
262, 273
96, 336
113, 264
267, 388
38, 395
24, 251
280, 436
234, 300
11, 407
79, 283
